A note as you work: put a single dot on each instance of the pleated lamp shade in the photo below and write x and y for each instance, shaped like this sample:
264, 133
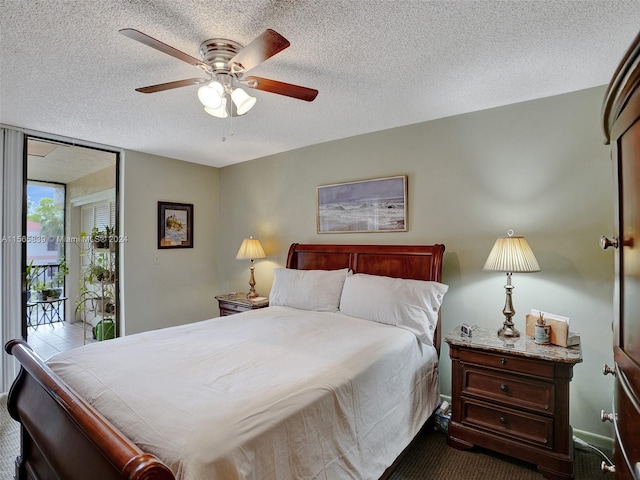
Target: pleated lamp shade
250, 249
511, 254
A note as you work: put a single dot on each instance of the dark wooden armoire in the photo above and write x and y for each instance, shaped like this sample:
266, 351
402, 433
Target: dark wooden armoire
621, 117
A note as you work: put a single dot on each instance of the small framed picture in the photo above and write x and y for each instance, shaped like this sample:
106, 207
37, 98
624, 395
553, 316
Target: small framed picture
175, 225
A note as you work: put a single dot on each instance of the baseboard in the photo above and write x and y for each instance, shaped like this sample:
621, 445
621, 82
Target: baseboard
599, 441
594, 439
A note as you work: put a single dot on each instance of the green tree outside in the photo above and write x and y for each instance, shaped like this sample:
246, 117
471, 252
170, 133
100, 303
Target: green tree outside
50, 217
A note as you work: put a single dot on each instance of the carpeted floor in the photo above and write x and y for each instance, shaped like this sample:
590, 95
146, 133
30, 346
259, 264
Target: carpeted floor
9, 441
428, 458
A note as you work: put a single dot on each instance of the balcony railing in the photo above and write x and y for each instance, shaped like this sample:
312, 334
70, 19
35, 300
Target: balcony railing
45, 295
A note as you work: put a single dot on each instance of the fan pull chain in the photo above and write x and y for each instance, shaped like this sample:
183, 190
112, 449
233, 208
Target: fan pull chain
230, 124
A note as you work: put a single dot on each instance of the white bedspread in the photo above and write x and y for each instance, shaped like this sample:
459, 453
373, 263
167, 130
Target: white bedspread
274, 393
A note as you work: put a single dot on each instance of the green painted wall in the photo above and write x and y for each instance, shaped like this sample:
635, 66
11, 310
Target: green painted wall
538, 167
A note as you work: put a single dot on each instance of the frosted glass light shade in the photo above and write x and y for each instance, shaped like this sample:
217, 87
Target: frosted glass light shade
220, 112
251, 248
211, 95
243, 101
511, 254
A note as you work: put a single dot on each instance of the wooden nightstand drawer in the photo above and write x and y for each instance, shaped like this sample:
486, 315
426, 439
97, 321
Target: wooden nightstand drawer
520, 392
520, 426
233, 303
231, 308
508, 363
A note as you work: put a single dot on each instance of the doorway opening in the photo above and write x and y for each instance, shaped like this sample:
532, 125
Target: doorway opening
70, 200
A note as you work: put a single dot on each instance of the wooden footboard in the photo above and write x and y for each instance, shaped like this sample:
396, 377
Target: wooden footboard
63, 437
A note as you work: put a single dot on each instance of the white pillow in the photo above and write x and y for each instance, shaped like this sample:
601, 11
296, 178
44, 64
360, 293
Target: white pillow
317, 290
409, 304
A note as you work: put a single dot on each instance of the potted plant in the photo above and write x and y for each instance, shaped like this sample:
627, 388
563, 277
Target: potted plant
98, 273
105, 304
45, 289
57, 285
40, 287
63, 270
95, 303
49, 292
96, 286
33, 272
101, 238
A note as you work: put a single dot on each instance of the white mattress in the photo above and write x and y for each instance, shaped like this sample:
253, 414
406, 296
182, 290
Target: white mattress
274, 393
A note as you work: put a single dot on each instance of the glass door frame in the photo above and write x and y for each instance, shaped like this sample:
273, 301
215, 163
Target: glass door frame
53, 139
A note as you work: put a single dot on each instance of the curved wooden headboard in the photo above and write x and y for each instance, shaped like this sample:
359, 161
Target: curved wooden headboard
416, 262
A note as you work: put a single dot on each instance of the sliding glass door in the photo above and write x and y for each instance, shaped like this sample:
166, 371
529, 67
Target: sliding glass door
70, 196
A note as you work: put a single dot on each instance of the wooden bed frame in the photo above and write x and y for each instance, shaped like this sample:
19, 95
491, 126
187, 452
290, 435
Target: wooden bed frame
63, 437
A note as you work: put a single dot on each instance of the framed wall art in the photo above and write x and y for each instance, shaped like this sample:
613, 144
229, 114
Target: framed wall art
377, 205
175, 225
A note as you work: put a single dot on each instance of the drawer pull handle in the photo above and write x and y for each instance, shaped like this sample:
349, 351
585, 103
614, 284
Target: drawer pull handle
607, 468
503, 361
503, 420
606, 417
504, 388
607, 370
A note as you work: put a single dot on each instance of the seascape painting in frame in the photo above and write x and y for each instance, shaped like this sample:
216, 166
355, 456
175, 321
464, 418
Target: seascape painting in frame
175, 225
377, 205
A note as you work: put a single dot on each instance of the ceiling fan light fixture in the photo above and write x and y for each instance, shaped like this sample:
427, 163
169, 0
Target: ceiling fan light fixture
211, 95
225, 62
243, 101
220, 112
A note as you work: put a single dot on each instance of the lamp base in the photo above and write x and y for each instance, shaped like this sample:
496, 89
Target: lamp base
508, 330
252, 283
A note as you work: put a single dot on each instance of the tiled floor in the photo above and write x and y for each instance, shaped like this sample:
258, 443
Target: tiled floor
48, 340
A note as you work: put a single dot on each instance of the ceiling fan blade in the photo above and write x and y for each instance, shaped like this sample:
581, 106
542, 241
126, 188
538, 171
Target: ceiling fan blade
260, 49
162, 47
169, 85
281, 88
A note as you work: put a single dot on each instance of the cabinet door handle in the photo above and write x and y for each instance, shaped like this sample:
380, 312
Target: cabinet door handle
607, 468
503, 420
504, 387
607, 370
503, 361
606, 242
606, 417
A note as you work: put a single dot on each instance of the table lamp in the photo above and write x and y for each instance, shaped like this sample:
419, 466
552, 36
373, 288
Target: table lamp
510, 254
251, 249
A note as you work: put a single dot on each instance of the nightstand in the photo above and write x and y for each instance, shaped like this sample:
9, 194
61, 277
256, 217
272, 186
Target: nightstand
237, 302
512, 396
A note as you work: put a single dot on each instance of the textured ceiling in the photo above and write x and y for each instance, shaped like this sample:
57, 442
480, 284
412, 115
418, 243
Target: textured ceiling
378, 64
60, 163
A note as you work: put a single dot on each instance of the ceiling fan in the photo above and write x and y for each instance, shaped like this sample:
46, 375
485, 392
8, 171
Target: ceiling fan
225, 62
